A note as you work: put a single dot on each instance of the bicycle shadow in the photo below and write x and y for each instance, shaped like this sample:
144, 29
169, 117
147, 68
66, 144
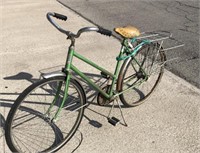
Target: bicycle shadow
91, 96
7, 100
7, 103
2, 125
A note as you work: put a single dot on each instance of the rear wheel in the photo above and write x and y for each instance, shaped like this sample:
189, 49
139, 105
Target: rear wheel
141, 74
30, 126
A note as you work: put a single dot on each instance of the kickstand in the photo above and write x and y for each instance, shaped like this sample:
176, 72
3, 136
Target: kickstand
114, 120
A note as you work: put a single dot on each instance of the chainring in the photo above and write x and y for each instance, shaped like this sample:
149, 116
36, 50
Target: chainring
101, 100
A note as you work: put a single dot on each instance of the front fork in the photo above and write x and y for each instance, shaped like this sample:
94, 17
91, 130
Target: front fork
64, 96
68, 77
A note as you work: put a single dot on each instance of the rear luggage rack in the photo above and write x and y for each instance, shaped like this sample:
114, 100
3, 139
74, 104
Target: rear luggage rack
162, 42
161, 37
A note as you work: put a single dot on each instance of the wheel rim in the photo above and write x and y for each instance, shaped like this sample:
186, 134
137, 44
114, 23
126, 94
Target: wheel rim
152, 63
32, 129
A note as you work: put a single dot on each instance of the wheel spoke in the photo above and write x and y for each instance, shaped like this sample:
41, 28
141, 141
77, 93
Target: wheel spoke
31, 129
138, 74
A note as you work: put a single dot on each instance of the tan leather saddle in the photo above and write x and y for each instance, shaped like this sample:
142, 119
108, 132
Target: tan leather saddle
127, 32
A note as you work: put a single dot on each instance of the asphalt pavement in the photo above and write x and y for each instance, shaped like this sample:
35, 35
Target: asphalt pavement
180, 17
168, 121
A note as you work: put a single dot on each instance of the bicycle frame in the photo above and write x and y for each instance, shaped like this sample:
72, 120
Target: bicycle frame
83, 76
70, 67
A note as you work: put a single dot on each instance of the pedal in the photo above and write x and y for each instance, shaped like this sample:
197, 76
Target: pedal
113, 121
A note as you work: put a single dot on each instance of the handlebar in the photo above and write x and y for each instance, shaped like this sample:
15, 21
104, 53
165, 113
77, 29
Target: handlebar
69, 33
58, 16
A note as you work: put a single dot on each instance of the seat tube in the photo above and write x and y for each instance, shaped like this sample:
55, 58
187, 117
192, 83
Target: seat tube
117, 69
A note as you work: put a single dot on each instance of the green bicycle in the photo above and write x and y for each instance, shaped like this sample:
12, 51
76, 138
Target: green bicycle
47, 114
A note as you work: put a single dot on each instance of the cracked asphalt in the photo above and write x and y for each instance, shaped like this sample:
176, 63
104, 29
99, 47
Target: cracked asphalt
179, 17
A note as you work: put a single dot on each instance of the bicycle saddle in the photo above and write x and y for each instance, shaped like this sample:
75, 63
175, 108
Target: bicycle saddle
127, 32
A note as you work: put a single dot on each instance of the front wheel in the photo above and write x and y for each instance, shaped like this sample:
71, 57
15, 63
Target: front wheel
141, 74
30, 126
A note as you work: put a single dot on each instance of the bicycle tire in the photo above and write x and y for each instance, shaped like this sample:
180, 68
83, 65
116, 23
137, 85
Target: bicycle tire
42, 134
138, 94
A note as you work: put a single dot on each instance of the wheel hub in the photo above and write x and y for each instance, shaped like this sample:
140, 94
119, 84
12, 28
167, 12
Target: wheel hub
140, 75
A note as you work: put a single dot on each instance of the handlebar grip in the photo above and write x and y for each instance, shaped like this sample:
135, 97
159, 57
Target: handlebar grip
104, 31
60, 16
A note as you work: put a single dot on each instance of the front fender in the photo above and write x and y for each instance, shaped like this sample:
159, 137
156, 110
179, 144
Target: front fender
53, 74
